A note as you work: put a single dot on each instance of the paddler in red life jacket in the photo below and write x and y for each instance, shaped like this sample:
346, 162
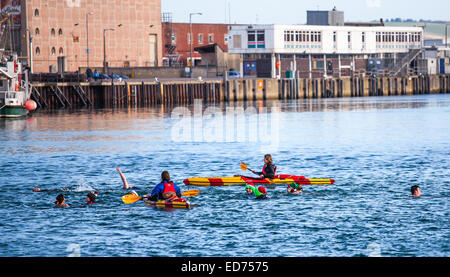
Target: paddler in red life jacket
269, 169
166, 190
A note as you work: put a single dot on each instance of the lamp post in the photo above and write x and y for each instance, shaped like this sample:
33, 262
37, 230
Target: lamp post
446, 35
104, 48
30, 39
87, 36
191, 37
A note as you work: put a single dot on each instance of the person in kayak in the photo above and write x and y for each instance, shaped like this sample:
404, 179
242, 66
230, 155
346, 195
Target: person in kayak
294, 188
61, 201
166, 190
260, 192
415, 191
269, 169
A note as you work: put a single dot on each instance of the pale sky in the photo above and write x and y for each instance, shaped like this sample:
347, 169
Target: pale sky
294, 11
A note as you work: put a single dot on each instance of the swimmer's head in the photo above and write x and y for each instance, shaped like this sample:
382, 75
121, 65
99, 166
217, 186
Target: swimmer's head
249, 189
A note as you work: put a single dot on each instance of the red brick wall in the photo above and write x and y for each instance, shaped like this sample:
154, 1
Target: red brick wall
181, 31
130, 42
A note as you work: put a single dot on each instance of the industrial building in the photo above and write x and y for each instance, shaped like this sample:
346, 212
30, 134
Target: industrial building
329, 49
178, 46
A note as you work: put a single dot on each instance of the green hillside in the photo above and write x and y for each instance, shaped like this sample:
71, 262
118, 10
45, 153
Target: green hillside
431, 29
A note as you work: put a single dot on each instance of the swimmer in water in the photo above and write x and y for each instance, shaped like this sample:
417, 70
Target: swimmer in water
61, 201
125, 183
294, 188
415, 191
36, 189
260, 192
90, 198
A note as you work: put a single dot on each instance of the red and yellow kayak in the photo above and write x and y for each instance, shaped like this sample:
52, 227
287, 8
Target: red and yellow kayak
243, 180
179, 203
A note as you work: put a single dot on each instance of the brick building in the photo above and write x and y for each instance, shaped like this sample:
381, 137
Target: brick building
176, 41
67, 28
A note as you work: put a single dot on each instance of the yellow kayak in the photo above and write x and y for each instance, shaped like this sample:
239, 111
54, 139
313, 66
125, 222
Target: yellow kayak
243, 180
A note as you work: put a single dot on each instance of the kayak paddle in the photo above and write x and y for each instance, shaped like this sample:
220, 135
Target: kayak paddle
245, 167
191, 193
133, 198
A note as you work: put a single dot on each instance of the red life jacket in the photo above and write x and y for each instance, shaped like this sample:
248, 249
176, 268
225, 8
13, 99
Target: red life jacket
169, 190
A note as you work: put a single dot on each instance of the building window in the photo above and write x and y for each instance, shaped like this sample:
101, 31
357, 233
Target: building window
37, 32
252, 36
200, 38
61, 51
38, 51
316, 36
36, 12
60, 32
261, 36
173, 38
210, 38
189, 38
53, 52
53, 32
256, 39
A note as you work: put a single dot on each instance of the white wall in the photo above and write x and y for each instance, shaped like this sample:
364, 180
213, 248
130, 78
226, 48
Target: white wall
274, 37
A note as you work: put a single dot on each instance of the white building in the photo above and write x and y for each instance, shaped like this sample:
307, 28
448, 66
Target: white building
309, 41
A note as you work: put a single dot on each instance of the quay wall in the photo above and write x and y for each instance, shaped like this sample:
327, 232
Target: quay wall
113, 94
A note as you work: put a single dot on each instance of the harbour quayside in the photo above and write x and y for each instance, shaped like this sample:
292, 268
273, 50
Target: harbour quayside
15, 89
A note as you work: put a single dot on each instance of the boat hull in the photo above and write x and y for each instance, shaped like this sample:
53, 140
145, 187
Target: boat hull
13, 111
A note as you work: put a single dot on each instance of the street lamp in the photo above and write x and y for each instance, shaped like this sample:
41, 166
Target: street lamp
87, 36
30, 39
190, 40
104, 48
446, 35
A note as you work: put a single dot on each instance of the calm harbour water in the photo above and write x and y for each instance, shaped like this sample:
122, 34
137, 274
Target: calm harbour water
375, 149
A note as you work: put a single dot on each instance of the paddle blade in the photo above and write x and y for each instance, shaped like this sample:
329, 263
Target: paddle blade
244, 166
130, 198
191, 193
